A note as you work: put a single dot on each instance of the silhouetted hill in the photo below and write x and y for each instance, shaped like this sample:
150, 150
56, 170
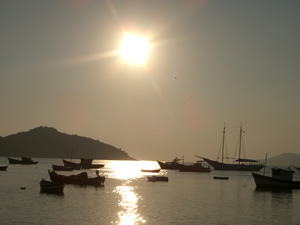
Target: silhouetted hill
45, 142
285, 159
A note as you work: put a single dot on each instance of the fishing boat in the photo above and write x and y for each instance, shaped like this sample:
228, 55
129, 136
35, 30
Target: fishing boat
73, 165
79, 179
3, 168
281, 178
239, 164
52, 187
174, 165
61, 168
157, 178
199, 166
150, 171
88, 164
23, 161
83, 164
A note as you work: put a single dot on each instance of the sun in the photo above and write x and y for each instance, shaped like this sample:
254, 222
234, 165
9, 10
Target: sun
134, 49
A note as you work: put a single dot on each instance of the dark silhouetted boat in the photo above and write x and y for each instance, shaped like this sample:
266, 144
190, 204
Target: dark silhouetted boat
83, 164
220, 178
88, 164
174, 165
3, 168
52, 187
157, 178
79, 179
61, 168
239, 164
199, 166
280, 179
150, 171
23, 161
73, 165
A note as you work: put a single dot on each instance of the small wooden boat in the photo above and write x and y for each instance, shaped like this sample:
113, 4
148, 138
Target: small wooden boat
280, 179
61, 168
79, 179
73, 165
83, 164
52, 187
88, 164
150, 171
3, 168
157, 178
199, 166
23, 161
221, 178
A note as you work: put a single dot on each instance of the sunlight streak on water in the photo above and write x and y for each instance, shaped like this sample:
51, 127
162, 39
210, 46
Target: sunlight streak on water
124, 170
128, 203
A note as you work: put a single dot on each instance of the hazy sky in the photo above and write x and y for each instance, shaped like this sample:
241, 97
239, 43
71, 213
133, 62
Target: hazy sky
211, 62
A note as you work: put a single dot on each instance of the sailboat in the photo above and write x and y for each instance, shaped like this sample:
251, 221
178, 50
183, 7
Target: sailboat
239, 164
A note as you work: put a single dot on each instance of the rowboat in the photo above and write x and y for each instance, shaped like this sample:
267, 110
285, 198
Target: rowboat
51, 187
157, 178
79, 179
61, 168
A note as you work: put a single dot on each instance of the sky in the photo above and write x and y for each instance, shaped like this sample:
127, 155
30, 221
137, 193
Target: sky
210, 62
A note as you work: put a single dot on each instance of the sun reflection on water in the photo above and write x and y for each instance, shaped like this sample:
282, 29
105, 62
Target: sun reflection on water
128, 203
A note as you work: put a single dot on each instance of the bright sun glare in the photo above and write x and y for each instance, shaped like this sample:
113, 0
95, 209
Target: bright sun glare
134, 49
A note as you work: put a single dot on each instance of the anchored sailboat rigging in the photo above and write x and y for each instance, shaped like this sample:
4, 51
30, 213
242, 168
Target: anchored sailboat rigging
240, 164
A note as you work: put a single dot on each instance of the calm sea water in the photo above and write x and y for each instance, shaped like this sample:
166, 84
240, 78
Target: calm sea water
128, 198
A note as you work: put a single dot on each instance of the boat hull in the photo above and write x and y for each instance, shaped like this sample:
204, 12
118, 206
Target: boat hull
78, 166
168, 165
262, 181
238, 167
194, 168
52, 187
80, 179
158, 178
150, 171
61, 168
3, 168
23, 162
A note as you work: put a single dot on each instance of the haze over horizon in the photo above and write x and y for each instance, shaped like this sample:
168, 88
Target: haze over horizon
211, 62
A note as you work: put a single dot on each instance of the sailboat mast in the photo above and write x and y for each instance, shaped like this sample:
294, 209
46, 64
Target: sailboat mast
223, 143
240, 145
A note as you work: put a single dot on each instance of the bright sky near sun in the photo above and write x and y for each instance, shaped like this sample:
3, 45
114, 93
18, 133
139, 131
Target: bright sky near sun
155, 78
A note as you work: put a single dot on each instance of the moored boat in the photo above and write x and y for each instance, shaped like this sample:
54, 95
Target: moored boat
79, 179
52, 187
157, 178
3, 168
174, 165
199, 166
23, 161
150, 171
238, 165
88, 164
281, 178
220, 178
73, 165
61, 168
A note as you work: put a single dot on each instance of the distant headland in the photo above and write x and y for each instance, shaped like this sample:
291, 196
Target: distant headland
47, 142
